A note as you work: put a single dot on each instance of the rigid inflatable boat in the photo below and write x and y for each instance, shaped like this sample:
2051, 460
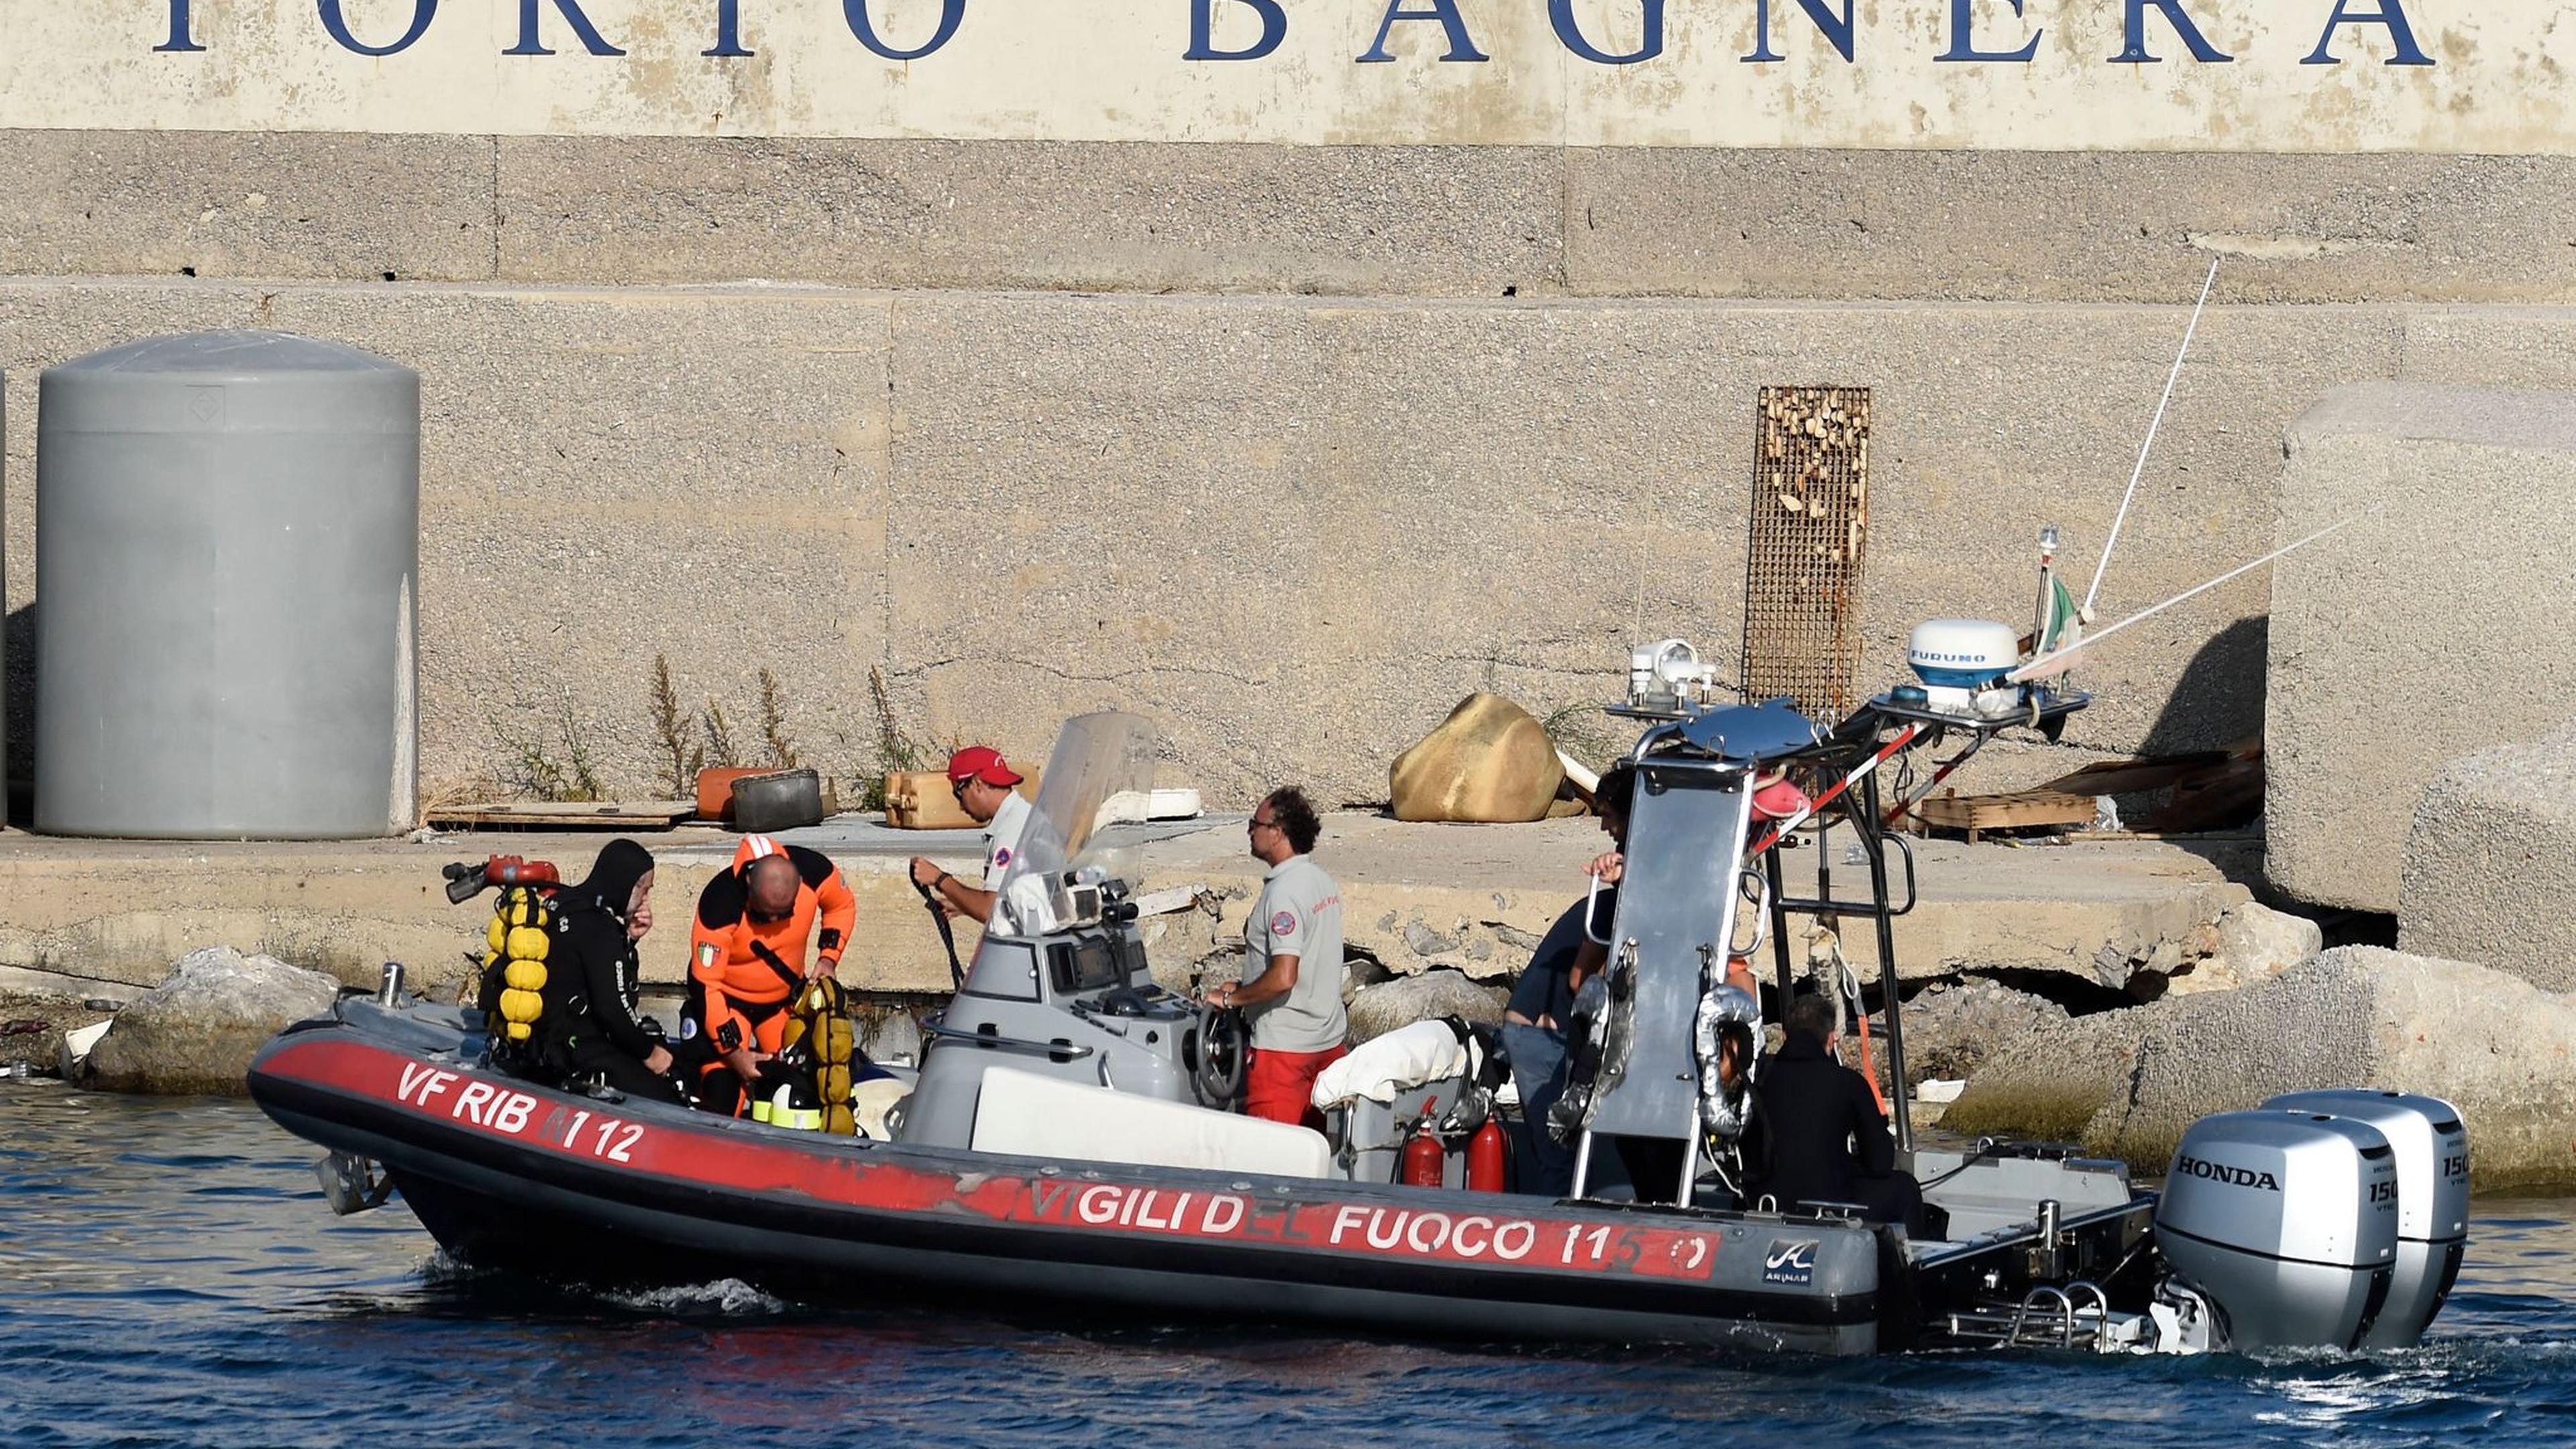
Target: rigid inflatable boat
1068, 1139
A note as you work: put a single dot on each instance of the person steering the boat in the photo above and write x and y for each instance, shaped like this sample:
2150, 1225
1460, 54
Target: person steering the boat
984, 786
1291, 989
1828, 1140
590, 1025
747, 957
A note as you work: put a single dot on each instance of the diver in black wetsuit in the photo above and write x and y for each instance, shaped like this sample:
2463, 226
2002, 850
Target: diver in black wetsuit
1828, 1140
589, 1023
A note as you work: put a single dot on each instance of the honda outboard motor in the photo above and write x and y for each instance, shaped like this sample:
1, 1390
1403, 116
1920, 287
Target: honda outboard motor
2432, 1198
2287, 1221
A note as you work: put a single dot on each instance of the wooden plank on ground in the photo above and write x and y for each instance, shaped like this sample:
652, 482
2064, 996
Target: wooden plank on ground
2020, 810
2132, 777
563, 815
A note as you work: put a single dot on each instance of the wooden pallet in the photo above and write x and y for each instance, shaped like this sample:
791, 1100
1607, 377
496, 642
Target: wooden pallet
922, 800
2021, 810
568, 815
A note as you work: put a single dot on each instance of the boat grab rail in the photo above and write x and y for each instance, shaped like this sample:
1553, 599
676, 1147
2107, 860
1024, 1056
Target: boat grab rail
1811, 906
1063, 1051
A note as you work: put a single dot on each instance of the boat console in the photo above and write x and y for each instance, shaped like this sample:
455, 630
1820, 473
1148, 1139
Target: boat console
1059, 987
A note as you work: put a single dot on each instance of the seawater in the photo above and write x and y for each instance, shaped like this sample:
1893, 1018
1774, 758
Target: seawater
170, 1275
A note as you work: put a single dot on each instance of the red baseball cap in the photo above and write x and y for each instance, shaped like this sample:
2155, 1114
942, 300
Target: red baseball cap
980, 762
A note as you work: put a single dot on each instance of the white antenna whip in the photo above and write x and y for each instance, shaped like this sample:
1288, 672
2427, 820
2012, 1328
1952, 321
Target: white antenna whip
2147, 447
2064, 659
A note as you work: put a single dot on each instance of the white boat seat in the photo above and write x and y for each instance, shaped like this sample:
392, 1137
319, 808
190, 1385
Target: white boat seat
1024, 1114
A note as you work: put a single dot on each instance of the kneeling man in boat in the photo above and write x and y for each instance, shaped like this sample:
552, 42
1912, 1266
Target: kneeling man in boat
747, 958
1828, 1139
1291, 989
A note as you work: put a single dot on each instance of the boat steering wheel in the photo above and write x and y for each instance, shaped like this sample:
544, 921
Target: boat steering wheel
1223, 1057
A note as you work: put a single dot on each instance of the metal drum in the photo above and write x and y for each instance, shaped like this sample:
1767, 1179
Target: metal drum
227, 567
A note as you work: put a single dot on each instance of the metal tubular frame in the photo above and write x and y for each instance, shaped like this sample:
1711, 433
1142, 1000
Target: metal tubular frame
1862, 806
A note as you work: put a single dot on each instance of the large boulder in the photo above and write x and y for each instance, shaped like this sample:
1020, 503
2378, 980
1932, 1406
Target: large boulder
2491, 863
197, 1031
1490, 760
2382, 637
2054, 1081
2495, 1046
1377, 1010
1953, 1029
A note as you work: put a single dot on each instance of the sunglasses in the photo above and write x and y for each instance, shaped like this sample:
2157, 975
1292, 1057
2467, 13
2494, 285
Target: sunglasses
1259, 824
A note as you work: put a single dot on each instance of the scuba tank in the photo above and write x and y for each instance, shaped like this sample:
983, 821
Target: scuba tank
820, 1033
465, 878
517, 941
512, 980
1425, 1162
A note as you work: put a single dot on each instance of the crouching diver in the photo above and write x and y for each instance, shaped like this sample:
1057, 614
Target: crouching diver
1828, 1139
747, 960
589, 1028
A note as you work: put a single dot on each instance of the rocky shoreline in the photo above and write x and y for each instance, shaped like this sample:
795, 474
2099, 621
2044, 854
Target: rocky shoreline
2117, 1045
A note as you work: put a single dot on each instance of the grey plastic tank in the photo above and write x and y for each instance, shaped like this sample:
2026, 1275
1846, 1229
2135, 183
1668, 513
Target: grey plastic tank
227, 565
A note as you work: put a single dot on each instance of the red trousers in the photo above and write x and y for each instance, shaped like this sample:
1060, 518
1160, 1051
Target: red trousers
1281, 1085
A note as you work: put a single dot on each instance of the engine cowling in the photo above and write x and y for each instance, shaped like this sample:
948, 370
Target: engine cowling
2432, 1154
2287, 1222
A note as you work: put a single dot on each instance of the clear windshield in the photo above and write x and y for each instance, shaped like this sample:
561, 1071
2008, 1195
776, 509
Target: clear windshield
1083, 829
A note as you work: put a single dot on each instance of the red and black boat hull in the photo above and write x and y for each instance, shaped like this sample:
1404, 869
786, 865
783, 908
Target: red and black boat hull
581, 1189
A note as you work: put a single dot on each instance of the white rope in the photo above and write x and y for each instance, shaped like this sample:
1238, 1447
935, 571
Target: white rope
2108, 544
2062, 660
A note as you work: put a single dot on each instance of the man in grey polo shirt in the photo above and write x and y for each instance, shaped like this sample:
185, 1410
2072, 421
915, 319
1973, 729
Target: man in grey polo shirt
1292, 967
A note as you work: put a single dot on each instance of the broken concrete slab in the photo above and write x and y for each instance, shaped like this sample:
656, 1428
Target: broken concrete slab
2491, 863
2250, 944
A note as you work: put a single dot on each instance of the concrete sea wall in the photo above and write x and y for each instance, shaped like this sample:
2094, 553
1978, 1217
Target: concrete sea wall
1297, 527
1288, 399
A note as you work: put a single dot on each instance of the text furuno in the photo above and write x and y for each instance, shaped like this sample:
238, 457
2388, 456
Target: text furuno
2008, 32
2221, 1172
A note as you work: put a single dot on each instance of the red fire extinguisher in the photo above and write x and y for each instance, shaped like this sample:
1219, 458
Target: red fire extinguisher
1425, 1161
1485, 1158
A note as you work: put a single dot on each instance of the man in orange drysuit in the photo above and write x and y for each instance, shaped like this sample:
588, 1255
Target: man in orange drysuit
747, 954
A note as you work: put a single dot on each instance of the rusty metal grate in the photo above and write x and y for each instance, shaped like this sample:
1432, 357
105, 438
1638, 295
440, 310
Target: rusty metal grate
1803, 551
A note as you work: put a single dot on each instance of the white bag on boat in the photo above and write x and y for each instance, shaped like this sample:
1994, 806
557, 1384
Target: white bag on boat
1427, 1051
